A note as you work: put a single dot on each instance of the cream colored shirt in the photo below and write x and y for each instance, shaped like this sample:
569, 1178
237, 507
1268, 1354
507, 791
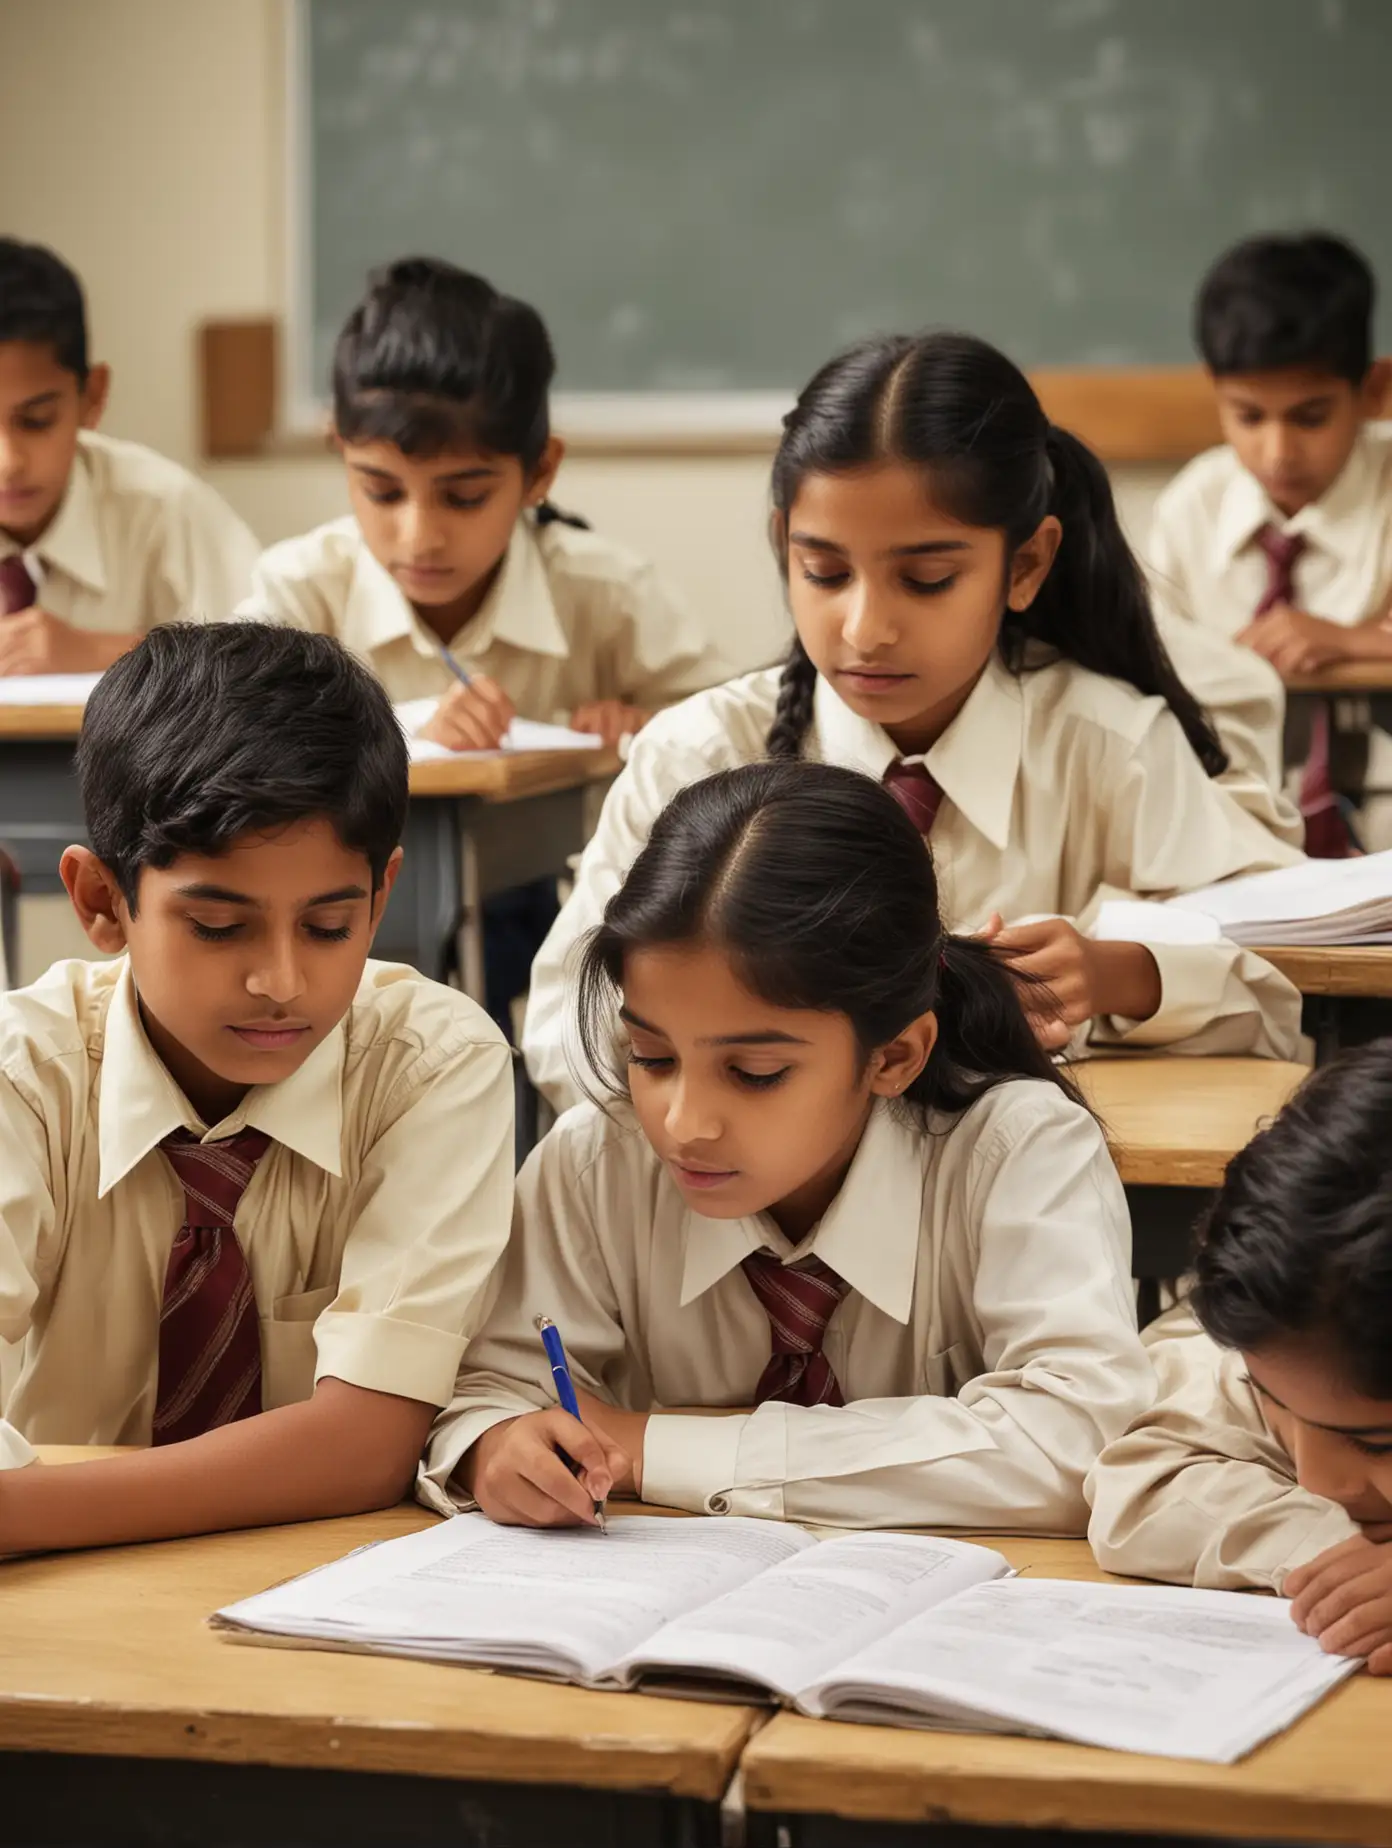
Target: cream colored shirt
137, 541
1199, 1491
1245, 700
1062, 789
1206, 564
571, 618
370, 1226
986, 1350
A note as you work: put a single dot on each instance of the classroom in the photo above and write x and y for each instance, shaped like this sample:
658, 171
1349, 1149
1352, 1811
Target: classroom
695, 923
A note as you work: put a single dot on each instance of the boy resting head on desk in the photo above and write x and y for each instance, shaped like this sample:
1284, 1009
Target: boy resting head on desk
99, 539
1267, 1459
251, 1184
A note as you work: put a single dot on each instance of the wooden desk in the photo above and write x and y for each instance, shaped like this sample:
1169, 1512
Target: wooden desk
1329, 1779
1176, 1122
466, 838
106, 1658
1338, 984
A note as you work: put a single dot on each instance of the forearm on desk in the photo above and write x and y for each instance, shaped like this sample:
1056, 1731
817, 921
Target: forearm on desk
345, 1451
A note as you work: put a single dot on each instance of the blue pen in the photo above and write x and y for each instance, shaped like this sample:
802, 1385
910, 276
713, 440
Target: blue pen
565, 1387
454, 666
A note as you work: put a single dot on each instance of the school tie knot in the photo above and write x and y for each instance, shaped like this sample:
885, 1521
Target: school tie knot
1283, 552
916, 791
799, 1300
210, 1334
17, 588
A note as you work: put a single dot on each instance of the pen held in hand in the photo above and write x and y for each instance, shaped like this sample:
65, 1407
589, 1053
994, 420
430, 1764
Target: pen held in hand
565, 1390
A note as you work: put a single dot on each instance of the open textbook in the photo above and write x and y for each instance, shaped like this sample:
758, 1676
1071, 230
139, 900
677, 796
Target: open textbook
521, 735
1315, 902
899, 1629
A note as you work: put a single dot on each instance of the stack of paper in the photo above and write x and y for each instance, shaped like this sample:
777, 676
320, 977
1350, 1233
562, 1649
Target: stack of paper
522, 735
47, 689
1318, 902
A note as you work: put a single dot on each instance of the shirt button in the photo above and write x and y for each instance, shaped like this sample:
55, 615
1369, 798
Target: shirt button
719, 1504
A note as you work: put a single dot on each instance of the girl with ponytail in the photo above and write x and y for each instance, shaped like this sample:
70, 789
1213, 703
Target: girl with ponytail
832, 1176
973, 630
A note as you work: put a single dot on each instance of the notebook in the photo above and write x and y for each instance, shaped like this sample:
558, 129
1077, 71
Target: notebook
522, 735
894, 1629
1321, 902
46, 689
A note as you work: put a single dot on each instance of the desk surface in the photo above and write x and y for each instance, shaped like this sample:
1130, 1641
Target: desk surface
109, 1653
1328, 1779
495, 779
1358, 969
1176, 1122
1345, 677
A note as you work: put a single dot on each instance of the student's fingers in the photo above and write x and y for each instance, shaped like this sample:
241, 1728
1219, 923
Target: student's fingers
1380, 1660
1377, 1530
1357, 1588
461, 723
545, 1487
1028, 939
991, 929
487, 696
1306, 1585
1361, 1631
1052, 1033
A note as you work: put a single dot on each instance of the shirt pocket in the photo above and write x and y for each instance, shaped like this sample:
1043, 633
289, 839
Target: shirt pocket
288, 1352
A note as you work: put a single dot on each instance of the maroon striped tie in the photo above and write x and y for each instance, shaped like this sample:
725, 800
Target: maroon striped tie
210, 1335
916, 791
17, 588
799, 1300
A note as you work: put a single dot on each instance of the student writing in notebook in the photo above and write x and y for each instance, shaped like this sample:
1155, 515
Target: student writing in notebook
251, 1183
440, 393
1282, 537
1267, 1457
99, 539
972, 628
835, 1177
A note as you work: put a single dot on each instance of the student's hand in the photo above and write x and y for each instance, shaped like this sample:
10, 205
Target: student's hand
516, 1476
609, 719
472, 718
34, 642
1344, 1600
625, 1430
1295, 642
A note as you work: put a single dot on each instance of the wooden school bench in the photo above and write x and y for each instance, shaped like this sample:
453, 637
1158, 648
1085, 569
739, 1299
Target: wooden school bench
812, 1784
124, 1718
1173, 1124
475, 827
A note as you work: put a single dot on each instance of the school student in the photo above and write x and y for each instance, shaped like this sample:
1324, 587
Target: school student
972, 628
1266, 1460
251, 1183
1282, 537
99, 539
837, 1181
453, 552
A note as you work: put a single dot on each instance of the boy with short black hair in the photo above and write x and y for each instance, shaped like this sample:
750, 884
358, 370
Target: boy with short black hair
1267, 1458
1282, 538
99, 539
251, 1184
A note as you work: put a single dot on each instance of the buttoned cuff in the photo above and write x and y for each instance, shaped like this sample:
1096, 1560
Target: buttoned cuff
16, 1452
1193, 982
381, 1354
449, 1443
692, 1463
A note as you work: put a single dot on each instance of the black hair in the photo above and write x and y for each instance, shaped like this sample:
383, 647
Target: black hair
41, 301
434, 359
1299, 1239
954, 406
821, 891
1271, 302
204, 731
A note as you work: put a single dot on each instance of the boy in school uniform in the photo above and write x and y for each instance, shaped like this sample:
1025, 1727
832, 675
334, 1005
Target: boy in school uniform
1266, 1459
251, 1184
99, 539
1282, 538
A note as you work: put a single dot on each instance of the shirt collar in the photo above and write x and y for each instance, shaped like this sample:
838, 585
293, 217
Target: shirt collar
72, 542
1337, 522
883, 1190
143, 1103
519, 608
975, 763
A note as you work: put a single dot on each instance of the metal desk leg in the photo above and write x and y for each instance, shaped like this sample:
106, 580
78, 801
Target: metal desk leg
470, 936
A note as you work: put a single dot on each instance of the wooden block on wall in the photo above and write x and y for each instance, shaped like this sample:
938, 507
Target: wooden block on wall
1135, 414
238, 367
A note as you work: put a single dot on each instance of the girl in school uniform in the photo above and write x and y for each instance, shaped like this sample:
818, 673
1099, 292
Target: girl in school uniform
455, 578
842, 1185
973, 629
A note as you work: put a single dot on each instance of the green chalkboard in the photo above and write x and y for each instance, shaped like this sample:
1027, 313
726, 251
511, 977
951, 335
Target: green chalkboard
715, 194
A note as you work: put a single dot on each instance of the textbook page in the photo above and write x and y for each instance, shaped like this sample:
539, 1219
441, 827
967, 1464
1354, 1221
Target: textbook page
1315, 901
565, 1603
521, 735
47, 689
1177, 1673
794, 1622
